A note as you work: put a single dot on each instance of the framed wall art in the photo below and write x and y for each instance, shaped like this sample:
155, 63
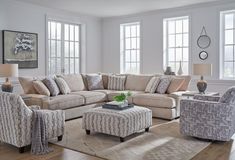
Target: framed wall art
20, 48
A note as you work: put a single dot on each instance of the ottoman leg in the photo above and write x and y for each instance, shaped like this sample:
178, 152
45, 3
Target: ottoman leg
88, 132
122, 139
146, 129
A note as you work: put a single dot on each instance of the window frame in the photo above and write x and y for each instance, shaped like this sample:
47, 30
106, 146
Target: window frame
122, 51
222, 44
166, 40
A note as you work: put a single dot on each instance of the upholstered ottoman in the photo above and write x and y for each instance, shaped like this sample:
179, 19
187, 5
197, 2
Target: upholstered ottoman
117, 123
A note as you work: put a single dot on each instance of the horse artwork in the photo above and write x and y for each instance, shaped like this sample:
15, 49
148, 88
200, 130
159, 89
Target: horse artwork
20, 48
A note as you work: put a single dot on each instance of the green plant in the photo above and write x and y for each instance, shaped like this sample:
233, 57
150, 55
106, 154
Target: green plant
122, 96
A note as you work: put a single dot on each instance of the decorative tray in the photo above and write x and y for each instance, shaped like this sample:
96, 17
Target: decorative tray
108, 106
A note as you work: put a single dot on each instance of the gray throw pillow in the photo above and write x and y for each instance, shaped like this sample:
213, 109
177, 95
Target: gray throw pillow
163, 85
94, 82
52, 86
228, 96
63, 86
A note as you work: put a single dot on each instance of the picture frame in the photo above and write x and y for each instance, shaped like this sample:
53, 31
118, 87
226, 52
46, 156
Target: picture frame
20, 48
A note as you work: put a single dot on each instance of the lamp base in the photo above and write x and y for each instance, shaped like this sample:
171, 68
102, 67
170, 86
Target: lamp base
7, 88
201, 86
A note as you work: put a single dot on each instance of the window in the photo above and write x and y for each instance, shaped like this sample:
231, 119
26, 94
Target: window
63, 48
130, 48
227, 44
176, 43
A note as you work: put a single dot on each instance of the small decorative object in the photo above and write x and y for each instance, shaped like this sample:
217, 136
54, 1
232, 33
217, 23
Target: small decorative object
203, 55
180, 71
20, 48
8, 70
169, 71
202, 70
122, 98
204, 40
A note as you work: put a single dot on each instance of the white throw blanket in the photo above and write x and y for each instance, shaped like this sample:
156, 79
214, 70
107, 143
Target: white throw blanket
39, 144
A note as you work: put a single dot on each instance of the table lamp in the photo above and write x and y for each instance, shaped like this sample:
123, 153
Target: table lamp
202, 70
8, 70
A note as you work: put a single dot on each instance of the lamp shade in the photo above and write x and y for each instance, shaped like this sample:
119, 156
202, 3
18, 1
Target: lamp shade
8, 70
202, 69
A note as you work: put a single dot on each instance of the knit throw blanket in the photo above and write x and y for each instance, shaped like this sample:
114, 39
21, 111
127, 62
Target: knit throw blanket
39, 144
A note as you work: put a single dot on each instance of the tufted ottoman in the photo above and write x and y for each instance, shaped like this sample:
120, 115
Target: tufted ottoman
117, 123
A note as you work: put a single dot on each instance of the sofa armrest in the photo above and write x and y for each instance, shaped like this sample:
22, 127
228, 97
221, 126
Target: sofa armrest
37, 99
206, 98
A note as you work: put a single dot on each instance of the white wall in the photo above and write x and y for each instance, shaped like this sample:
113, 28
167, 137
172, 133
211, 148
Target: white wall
152, 39
21, 16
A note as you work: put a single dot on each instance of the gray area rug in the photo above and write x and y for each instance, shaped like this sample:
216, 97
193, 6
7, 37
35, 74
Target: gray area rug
163, 142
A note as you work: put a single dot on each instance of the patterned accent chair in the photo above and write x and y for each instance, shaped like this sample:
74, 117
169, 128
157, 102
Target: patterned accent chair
16, 121
209, 117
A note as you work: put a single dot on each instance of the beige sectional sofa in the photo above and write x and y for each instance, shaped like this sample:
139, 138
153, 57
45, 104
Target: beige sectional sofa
80, 99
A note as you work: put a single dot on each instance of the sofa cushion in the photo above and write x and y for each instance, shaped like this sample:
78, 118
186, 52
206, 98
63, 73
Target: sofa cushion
175, 85
41, 88
27, 85
116, 83
94, 82
91, 96
74, 81
152, 85
63, 101
52, 86
137, 82
112, 94
163, 85
186, 83
63, 86
154, 100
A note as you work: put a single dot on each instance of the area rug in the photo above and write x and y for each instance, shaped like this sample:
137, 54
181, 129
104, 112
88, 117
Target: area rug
163, 142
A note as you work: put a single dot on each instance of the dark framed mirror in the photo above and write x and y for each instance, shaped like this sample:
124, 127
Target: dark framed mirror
203, 55
203, 40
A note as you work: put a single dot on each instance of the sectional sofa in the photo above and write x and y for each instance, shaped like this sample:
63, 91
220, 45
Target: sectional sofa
80, 99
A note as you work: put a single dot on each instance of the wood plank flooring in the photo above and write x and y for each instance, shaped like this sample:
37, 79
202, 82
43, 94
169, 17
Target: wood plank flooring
215, 151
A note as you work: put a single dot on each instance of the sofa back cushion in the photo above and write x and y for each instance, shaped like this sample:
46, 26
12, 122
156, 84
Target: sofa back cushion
116, 83
52, 86
74, 81
152, 85
41, 88
137, 82
94, 82
228, 96
27, 85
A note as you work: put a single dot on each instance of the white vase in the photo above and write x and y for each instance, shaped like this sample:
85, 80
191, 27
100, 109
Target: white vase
180, 71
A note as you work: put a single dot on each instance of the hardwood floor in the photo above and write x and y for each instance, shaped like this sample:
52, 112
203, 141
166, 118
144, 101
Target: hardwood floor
215, 151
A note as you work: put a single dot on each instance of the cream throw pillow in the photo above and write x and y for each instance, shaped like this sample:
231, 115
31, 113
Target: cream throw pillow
116, 83
63, 86
152, 85
41, 88
175, 85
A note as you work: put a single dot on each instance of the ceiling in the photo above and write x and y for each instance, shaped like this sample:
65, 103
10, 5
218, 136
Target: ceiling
110, 8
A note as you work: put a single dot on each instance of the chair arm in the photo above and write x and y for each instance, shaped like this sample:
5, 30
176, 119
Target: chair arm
36, 107
206, 98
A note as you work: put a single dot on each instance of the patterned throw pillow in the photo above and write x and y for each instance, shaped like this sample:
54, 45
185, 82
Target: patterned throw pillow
175, 85
52, 86
94, 82
63, 86
228, 96
163, 85
116, 83
41, 88
152, 85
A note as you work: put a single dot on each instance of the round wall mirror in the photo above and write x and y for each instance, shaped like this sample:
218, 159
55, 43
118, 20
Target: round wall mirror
203, 55
203, 41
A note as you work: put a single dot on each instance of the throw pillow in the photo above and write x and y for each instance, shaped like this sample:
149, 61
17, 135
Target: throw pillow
63, 86
41, 88
94, 82
116, 83
175, 85
163, 85
228, 96
27, 85
152, 85
52, 86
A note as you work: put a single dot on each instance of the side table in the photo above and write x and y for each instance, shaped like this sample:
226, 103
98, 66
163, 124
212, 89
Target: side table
190, 94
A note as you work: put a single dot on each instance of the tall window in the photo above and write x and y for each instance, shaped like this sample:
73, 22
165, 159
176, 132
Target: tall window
63, 47
176, 43
130, 47
228, 44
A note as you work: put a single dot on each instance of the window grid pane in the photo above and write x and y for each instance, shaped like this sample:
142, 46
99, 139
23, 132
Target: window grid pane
176, 43
228, 45
130, 48
63, 48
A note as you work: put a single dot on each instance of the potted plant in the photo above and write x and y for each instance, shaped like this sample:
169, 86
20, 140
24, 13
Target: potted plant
122, 98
